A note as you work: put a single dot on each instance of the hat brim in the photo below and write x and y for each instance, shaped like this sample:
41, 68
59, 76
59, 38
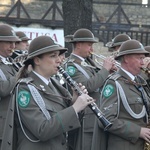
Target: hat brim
45, 50
9, 39
25, 39
108, 44
116, 44
83, 40
128, 52
147, 48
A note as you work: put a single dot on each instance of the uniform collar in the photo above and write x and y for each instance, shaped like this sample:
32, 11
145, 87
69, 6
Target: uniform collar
42, 78
5, 60
82, 59
129, 74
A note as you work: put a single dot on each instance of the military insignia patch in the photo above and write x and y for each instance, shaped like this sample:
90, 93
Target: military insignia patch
23, 98
108, 90
71, 70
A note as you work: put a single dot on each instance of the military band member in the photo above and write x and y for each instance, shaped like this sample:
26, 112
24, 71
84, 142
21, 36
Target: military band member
21, 49
84, 70
44, 109
147, 63
146, 69
22, 46
7, 72
116, 42
125, 103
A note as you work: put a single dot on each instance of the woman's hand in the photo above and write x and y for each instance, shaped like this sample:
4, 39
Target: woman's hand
82, 89
81, 102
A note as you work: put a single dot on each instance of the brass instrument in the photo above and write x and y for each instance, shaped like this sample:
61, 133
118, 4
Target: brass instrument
146, 70
18, 61
146, 146
12, 50
118, 65
20, 58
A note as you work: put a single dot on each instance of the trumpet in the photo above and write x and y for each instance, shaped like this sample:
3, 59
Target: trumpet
18, 61
146, 70
118, 65
20, 58
12, 50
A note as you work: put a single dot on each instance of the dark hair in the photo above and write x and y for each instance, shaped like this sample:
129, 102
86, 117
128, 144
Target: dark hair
24, 71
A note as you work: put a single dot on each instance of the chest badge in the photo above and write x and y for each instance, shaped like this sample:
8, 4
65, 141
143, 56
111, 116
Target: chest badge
108, 90
24, 98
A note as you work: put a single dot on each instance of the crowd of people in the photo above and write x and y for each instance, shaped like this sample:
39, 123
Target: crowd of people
40, 111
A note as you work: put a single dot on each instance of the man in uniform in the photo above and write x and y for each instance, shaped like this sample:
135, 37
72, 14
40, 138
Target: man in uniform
7, 72
23, 45
116, 42
21, 49
84, 70
146, 68
125, 103
147, 59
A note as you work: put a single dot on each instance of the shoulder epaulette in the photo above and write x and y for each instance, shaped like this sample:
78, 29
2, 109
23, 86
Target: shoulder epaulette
25, 80
67, 60
115, 76
71, 60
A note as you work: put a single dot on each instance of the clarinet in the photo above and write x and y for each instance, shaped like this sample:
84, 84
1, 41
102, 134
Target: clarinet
92, 106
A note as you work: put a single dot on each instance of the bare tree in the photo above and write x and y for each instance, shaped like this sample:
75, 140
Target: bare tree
77, 14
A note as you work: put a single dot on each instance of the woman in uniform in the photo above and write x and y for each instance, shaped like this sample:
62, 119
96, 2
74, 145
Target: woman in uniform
45, 111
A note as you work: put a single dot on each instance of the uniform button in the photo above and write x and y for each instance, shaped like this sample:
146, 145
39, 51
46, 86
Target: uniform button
9, 143
10, 125
70, 127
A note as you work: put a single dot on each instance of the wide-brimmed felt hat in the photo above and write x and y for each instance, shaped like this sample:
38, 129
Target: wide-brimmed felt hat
22, 36
82, 35
147, 48
41, 45
131, 47
7, 33
118, 40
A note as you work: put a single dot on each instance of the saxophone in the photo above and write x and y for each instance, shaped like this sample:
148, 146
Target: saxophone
146, 144
145, 100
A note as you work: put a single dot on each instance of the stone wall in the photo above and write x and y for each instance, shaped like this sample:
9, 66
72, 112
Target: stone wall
136, 14
37, 8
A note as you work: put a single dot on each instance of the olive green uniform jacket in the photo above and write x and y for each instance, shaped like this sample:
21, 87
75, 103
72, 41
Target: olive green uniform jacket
50, 133
125, 131
96, 79
6, 85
